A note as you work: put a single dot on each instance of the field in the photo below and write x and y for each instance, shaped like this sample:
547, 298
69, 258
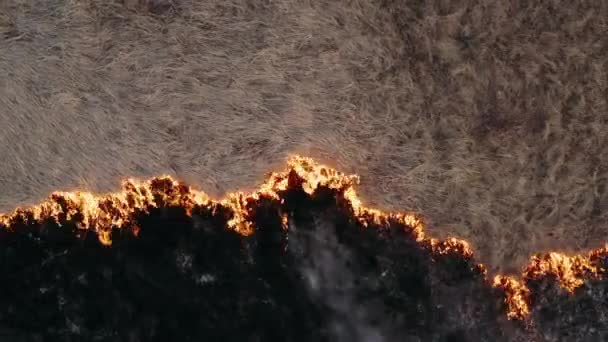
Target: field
489, 118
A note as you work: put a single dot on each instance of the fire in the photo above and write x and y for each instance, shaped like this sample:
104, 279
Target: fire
517, 296
452, 245
570, 271
102, 213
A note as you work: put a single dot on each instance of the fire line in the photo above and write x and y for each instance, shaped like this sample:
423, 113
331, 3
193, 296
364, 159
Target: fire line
101, 213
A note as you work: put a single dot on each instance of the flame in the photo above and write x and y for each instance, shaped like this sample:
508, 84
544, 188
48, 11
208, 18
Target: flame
452, 245
570, 272
517, 296
102, 213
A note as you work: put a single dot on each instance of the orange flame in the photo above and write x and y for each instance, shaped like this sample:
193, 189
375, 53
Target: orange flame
101, 213
452, 245
569, 270
516, 296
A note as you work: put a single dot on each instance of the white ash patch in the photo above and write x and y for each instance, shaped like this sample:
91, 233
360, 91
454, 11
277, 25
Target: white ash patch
206, 278
184, 262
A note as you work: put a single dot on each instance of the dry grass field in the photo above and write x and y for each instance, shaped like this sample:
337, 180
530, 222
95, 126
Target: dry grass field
490, 118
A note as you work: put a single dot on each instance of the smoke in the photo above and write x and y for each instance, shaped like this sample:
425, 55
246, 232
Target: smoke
331, 279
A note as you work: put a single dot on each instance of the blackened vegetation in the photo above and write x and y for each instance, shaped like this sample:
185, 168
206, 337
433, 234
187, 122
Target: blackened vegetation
189, 278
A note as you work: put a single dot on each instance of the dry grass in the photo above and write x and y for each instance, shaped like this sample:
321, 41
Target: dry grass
489, 117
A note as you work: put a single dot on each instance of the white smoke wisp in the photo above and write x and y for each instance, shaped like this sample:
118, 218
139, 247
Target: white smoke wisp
324, 266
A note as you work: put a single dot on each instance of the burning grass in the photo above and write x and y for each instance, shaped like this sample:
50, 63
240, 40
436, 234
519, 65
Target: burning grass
121, 219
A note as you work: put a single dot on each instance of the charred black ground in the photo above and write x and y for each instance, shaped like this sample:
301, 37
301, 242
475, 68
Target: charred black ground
326, 278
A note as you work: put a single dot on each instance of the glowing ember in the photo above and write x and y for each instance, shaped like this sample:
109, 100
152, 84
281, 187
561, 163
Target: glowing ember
102, 213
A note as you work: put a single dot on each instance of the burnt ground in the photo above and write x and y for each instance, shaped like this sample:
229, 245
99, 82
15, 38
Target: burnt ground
325, 278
